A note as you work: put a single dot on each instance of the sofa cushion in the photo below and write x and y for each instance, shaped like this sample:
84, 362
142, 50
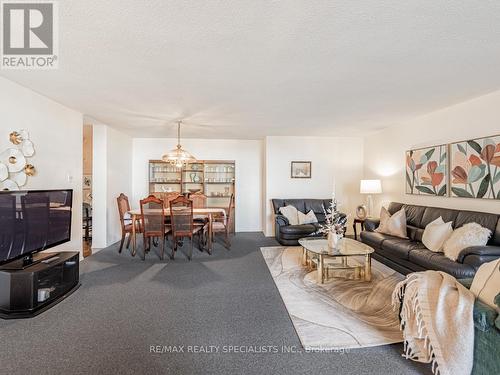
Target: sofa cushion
437, 261
394, 207
433, 213
436, 233
468, 235
297, 230
484, 219
399, 248
308, 218
316, 205
297, 203
486, 283
373, 238
414, 215
394, 225
414, 233
291, 214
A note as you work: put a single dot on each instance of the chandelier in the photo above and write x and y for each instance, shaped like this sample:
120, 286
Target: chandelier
178, 157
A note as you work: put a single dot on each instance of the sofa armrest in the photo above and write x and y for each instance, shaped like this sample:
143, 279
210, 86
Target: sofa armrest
371, 224
486, 252
281, 220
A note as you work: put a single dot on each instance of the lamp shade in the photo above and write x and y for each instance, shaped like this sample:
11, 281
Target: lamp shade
370, 187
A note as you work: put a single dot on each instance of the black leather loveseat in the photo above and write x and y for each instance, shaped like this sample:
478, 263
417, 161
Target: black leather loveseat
289, 235
410, 255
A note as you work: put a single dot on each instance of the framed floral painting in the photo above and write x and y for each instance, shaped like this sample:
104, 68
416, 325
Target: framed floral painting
427, 171
475, 168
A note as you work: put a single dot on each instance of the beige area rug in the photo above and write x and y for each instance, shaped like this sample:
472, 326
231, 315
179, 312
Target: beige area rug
339, 314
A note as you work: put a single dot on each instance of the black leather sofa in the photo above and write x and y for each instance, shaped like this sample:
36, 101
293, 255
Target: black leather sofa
289, 235
410, 255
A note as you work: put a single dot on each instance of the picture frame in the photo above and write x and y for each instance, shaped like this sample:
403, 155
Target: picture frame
427, 171
87, 181
475, 168
300, 169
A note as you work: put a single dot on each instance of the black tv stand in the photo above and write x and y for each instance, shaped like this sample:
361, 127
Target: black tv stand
27, 291
27, 261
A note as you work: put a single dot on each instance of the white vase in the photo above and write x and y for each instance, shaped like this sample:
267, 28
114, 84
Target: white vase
332, 240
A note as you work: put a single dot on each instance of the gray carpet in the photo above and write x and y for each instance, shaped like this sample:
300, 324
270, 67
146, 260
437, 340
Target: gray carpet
125, 306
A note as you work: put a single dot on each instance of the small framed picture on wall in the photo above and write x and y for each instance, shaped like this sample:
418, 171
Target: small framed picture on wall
301, 169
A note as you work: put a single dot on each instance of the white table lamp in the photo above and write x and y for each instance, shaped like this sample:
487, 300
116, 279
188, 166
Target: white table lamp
370, 187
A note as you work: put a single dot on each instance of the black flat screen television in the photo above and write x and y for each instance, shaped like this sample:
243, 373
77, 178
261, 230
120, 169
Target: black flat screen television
32, 221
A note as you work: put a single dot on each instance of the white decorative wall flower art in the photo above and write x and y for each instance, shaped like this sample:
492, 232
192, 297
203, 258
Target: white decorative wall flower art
8, 185
14, 167
14, 159
4, 172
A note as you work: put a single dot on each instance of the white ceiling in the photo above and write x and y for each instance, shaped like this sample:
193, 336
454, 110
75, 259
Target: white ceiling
254, 68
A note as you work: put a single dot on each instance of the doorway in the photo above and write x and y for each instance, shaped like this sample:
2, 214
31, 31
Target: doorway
87, 189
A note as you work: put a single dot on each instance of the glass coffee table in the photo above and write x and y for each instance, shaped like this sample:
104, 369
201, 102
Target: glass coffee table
317, 252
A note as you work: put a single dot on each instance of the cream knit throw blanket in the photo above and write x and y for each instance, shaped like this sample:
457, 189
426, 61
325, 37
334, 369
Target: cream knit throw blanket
436, 320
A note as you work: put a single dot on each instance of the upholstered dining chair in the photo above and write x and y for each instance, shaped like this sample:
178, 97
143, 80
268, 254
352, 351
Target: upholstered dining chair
153, 224
181, 216
222, 224
126, 220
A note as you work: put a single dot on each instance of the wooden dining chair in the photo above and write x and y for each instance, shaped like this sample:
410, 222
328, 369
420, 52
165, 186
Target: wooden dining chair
181, 216
153, 224
222, 223
199, 200
169, 197
126, 220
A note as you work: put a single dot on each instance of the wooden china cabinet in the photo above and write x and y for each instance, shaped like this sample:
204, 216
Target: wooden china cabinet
214, 178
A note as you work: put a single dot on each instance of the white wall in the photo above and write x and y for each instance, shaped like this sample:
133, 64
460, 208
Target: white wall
246, 153
119, 174
112, 175
99, 186
56, 132
385, 151
335, 161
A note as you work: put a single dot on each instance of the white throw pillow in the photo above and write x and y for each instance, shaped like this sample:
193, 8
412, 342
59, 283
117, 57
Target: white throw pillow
436, 233
394, 225
486, 283
308, 218
471, 234
290, 212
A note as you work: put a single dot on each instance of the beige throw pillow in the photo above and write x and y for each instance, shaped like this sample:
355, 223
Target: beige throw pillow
394, 225
308, 218
290, 212
486, 283
436, 233
471, 234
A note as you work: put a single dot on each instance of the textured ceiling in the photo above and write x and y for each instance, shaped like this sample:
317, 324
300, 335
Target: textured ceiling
254, 68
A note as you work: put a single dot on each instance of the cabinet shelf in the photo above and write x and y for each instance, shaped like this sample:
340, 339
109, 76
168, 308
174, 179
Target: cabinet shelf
164, 182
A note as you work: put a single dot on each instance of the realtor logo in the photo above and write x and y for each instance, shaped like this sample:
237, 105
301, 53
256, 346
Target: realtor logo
29, 35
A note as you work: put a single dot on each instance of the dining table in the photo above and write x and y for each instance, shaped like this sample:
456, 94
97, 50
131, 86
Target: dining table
208, 212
